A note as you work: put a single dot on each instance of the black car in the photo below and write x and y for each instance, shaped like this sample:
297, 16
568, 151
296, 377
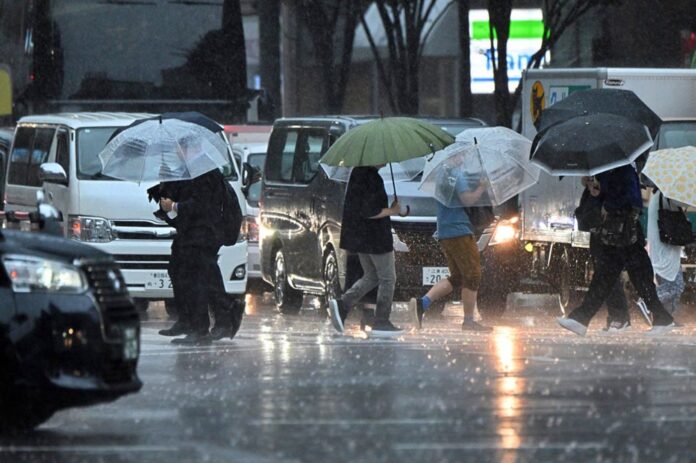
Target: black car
301, 209
69, 332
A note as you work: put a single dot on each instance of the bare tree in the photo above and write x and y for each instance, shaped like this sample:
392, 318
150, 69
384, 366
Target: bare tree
331, 25
559, 15
465, 96
406, 27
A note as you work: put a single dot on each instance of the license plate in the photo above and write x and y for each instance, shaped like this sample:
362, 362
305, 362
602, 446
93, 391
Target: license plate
158, 280
130, 344
432, 275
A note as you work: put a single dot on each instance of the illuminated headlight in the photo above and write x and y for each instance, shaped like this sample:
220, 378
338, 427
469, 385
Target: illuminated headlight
505, 232
90, 229
29, 273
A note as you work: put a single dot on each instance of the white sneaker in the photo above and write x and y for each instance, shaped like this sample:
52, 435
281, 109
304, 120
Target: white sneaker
572, 325
643, 309
617, 326
335, 314
661, 329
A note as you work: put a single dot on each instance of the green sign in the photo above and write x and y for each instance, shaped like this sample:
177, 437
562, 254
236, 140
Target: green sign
519, 29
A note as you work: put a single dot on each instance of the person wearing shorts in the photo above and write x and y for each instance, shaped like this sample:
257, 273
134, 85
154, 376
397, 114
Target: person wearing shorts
456, 236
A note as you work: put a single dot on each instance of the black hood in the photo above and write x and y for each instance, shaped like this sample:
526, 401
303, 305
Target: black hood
47, 246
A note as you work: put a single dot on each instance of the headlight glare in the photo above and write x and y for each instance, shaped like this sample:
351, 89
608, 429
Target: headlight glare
34, 274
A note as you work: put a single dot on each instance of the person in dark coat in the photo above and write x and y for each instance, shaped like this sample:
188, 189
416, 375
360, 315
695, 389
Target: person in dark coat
622, 245
196, 206
588, 215
366, 230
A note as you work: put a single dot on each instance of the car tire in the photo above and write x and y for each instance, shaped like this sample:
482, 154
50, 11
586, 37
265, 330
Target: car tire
20, 411
287, 299
331, 280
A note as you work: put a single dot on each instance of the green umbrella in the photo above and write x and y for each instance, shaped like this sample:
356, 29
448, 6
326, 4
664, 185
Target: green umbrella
384, 141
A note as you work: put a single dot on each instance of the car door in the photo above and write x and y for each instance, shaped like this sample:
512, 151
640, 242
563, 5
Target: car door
58, 194
30, 149
306, 247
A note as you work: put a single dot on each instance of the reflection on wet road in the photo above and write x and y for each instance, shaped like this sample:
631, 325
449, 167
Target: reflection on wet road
289, 389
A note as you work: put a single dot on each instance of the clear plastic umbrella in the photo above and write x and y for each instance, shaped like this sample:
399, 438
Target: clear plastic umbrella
492, 161
163, 150
403, 171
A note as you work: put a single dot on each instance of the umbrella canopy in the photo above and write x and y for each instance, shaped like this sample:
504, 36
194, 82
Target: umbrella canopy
193, 117
673, 171
163, 150
589, 145
600, 100
496, 157
386, 140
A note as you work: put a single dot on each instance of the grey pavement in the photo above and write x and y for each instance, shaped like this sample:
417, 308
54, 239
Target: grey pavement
289, 389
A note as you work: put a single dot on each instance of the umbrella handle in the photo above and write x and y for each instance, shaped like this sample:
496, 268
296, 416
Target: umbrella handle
393, 182
408, 211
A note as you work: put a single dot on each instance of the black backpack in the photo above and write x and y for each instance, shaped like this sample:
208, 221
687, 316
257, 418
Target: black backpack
480, 217
231, 215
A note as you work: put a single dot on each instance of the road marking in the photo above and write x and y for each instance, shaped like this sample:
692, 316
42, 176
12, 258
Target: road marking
497, 444
357, 421
88, 448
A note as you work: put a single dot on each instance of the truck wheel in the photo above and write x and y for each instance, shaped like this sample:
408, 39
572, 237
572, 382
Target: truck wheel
287, 299
141, 305
332, 284
170, 308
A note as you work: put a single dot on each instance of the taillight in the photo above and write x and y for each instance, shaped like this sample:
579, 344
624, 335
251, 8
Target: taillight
505, 231
252, 229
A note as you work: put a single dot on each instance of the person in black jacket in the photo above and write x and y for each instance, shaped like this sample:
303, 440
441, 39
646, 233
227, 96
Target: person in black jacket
366, 230
195, 206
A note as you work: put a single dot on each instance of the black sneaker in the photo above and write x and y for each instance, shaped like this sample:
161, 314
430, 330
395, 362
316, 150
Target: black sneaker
193, 339
335, 311
471, 325
385, 330
415, 306
177, 329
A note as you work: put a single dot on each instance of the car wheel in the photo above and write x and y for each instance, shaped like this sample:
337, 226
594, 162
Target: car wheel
288, 300
20, 410
170, 308
332, 283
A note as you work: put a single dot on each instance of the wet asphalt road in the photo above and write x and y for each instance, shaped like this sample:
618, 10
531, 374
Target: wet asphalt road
289, 389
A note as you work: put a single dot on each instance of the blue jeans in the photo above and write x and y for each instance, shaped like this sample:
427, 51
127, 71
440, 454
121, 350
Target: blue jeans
669, 292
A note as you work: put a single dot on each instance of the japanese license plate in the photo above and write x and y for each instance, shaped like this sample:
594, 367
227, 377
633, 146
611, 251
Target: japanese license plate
130, 343
158, 280
432, 275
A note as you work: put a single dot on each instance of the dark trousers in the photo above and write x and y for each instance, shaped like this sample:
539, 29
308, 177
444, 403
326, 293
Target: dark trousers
611, 261
194, 271
617, 306
227, 310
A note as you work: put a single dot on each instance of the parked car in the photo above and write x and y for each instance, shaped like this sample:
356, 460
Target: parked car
6, 135
253, 154
301, 209
59, 154
69, 331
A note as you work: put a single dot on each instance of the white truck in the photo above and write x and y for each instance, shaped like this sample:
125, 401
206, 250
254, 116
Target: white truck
550, 254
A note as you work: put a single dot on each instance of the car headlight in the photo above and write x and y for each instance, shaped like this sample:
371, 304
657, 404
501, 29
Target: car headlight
29, 273
90, 229
505, 231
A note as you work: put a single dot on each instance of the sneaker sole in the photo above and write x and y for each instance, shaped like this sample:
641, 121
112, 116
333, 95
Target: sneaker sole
657, 330
335, 316
386, 334
572, 325
413, 308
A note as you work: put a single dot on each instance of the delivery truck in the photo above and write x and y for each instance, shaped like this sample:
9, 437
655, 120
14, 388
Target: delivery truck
541, 249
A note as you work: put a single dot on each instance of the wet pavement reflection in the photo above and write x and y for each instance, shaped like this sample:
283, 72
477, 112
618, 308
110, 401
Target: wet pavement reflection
288, 389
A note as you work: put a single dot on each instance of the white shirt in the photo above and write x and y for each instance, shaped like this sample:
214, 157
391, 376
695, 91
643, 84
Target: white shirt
666, 258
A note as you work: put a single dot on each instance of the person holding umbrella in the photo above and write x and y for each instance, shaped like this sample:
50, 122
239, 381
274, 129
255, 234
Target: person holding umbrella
366, 227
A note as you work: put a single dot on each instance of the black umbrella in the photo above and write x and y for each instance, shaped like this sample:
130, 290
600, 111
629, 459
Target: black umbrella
588, 145
600, 100
189, 116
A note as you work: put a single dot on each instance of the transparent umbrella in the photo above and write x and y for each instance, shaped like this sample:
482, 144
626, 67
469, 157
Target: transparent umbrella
163, 150
403, 171
490, 160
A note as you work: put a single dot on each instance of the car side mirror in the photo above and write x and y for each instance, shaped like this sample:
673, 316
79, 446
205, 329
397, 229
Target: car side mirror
250, 175
52, 172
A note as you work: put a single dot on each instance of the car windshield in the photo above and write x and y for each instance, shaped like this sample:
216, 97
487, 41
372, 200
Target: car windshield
677, 134
91, 141
255, 160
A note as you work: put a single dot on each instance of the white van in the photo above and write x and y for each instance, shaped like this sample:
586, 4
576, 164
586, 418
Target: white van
59, 154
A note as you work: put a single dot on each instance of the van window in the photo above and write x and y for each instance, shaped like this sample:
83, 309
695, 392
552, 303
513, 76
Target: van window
309, 151
19, 159
281, 155
39, 154
63, 151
